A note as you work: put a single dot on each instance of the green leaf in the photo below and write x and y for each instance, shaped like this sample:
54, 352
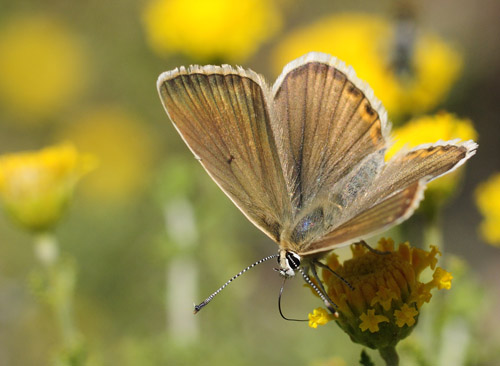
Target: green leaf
365, 360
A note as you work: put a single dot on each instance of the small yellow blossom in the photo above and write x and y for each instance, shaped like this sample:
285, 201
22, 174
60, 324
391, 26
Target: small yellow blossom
405, 316
35, 187
125, 148
370, 321
441, 126
442, 279
488, 201
319, 316
421, 294
42, 67
367, 43
210, 31
385, 293
384, 297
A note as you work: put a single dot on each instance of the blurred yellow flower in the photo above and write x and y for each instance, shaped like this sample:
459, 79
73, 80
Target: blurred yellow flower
125, 149
35, 186
367, 43
441, 126
488, 201
383, 304
210, 31
42, 67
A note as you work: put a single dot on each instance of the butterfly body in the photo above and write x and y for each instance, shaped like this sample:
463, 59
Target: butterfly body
304, 160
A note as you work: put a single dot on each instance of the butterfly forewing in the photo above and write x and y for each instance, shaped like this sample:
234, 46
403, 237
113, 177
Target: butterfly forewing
329, 125
223, 116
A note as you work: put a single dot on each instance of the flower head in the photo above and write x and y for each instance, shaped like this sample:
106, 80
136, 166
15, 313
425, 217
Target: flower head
210, 30
35, 186
386, 297
368, 43
42, 67
488, 202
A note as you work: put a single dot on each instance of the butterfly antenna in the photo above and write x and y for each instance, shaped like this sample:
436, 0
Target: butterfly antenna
279, 305
210, 298
327, 301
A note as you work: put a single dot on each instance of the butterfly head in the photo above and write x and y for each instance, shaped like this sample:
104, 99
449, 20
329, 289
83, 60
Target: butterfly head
288, 262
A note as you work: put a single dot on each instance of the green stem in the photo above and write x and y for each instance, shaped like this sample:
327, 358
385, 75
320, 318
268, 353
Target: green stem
61, 279
390, 356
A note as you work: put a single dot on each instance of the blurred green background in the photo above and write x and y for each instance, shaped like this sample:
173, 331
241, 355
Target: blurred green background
148, 231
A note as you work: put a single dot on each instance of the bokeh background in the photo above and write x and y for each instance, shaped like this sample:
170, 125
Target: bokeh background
149, 233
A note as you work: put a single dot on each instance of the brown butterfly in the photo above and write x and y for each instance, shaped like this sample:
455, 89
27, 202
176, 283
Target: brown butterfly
303, 159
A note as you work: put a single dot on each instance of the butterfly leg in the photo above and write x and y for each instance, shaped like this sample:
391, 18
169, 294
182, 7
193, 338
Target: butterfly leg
373, 250
321, 290
322, 265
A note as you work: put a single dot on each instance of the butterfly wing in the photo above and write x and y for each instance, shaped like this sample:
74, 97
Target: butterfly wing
223, 116
329, 122
332, 136
396, 192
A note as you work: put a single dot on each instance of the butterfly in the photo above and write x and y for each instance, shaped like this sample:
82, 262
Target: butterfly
303, 159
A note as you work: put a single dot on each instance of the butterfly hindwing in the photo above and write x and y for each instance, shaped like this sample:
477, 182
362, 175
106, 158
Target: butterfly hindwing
396, 192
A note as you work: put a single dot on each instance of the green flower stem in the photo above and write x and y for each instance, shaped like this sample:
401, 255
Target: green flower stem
390, 356
60, 286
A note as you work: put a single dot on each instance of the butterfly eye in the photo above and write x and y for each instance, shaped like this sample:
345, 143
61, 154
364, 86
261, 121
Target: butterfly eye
293, 260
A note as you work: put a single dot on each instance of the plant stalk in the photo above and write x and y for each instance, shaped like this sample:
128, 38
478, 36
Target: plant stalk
390, 356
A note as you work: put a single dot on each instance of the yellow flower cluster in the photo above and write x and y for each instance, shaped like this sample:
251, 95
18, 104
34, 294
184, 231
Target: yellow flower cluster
383, 305
488, 202
441, 126
35, 186
210, 31
367, 43
42, 67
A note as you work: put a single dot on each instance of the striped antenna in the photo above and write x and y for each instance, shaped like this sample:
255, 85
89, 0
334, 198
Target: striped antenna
323, 297
208, 299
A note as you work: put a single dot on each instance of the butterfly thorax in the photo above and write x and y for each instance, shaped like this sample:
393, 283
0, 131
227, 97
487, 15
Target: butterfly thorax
307, 227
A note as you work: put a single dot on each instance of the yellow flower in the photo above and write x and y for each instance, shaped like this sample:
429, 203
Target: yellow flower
125, 149
367, 43
383, 305
319, 316
441, 126
384, 297
35, 187
210, 30
370, 321
488, 201
42, 67
405, 316
442, 279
